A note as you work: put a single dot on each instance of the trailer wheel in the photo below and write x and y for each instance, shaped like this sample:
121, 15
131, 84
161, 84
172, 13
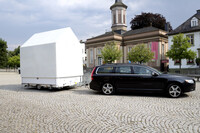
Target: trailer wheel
38, 87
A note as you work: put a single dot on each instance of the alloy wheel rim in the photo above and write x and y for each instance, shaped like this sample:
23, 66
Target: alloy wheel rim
174, 91
107, 88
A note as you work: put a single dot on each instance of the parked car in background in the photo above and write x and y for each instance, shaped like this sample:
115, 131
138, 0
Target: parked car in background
110, 78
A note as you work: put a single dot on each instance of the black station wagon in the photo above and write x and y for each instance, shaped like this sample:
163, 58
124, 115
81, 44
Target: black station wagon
112, 77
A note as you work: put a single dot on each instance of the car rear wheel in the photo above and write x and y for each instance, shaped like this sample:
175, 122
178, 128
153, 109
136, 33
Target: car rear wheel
38, 87
108, 89
174, 90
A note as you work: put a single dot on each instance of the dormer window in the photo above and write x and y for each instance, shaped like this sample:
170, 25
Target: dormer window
194, 22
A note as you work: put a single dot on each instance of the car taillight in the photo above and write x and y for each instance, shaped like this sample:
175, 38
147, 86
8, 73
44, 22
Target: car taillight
92, 73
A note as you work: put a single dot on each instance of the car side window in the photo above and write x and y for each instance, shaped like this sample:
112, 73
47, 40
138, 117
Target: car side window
141, 70
105, 70
123, 70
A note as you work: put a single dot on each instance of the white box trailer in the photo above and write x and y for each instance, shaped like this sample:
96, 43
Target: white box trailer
51, 59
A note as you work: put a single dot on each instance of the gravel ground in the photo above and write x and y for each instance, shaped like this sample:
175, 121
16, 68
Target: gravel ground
80, 110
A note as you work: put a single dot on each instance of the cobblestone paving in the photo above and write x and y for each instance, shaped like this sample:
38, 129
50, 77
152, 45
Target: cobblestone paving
82, 110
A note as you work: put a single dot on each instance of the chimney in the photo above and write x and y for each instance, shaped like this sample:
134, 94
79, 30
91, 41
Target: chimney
167, 27
116, 1
198, 11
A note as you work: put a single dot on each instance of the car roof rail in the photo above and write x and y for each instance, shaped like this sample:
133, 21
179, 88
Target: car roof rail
110, 64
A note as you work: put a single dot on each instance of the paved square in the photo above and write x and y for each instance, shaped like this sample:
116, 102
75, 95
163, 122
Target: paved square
82, 110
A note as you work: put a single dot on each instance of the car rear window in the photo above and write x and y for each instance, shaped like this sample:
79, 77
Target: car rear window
105, 70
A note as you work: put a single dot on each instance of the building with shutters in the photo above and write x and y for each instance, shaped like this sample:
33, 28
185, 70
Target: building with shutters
190, 28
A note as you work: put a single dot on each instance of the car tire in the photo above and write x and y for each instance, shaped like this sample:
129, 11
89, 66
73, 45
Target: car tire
38, 87
174, 90
108, 89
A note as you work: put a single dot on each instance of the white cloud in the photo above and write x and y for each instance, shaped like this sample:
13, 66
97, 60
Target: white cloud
12, 47
38, 10
22, 18
84, 16
12, 6
136, 5
78, 4
143, 5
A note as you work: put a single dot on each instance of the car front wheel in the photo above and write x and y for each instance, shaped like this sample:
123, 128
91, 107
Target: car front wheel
108, 89
174, 90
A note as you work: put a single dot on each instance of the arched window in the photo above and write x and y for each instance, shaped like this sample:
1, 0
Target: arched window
114, 17
119, 16
194, 22
124, 16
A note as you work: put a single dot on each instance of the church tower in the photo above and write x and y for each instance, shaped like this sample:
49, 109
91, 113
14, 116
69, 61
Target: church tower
119, 17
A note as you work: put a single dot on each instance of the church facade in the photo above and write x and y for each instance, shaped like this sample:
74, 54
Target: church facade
155, 39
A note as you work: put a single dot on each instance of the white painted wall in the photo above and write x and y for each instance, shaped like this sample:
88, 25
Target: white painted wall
87, 55
84, 54
52, 58
194, 48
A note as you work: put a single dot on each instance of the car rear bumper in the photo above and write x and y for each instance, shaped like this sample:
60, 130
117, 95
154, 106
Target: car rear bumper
95, 86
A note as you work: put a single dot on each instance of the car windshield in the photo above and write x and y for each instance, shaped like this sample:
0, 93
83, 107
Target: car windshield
155, 70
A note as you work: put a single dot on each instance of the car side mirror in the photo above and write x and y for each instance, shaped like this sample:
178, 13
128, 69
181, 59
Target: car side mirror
154, 74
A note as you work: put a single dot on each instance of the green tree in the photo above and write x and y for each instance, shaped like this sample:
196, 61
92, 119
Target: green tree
111, 52
3, 53
14, 58
180, 49
14, 61
140, 53
147, 19
15, 52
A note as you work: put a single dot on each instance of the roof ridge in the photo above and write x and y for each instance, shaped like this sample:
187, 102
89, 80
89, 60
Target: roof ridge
185, 26
141, 30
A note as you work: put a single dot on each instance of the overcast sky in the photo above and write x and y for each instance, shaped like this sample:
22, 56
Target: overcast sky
20, 19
